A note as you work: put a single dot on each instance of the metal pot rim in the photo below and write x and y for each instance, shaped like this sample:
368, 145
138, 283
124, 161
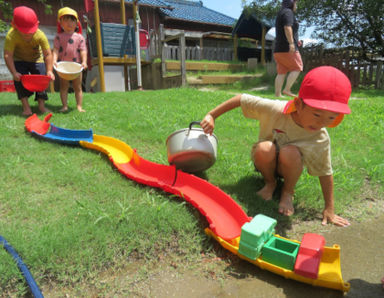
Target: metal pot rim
187, 129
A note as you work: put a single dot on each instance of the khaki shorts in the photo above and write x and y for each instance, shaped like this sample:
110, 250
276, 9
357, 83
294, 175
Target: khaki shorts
286, 62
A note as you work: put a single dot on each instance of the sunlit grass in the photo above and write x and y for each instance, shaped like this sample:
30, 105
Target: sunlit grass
70, 214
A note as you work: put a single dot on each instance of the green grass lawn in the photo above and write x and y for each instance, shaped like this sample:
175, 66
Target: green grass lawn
71, 215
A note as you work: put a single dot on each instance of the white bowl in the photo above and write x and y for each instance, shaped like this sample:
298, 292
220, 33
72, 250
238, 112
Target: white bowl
68, 70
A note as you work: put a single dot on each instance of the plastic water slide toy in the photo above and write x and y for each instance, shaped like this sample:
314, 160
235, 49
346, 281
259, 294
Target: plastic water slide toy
252, 239
23, 268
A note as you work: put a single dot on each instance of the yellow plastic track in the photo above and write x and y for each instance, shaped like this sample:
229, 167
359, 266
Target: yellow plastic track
119, 151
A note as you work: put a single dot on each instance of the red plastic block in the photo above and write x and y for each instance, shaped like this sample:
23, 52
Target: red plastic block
309, 256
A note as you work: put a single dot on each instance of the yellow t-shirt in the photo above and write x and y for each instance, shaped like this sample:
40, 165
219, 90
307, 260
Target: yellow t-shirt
280, 128
30, 51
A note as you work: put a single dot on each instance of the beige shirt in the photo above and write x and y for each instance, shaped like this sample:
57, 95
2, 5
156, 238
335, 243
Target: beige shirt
280, 128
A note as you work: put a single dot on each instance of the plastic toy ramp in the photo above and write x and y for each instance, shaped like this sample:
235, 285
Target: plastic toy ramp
34, 124
50, 132
130, 164
329, 270
224, 215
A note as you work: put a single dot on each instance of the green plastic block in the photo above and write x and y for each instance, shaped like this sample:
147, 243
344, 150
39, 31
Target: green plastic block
249, 251
280, 252
254, 234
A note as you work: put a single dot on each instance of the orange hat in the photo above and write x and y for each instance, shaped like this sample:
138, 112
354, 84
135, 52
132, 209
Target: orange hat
25, 19
325, 88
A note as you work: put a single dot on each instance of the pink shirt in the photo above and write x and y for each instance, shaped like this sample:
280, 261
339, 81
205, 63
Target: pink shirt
69, 46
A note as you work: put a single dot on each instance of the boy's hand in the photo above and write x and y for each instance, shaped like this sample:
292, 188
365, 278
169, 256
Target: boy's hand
330, 217
51, 75
17, 76
208, 124
84, 65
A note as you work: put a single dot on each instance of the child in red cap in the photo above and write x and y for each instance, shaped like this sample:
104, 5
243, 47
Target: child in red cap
69, 45
293, 135
27, 51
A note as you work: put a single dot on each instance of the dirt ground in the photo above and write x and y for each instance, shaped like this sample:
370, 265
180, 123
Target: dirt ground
226, 275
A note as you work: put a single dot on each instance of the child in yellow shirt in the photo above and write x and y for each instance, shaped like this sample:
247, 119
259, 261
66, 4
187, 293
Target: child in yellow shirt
27, 51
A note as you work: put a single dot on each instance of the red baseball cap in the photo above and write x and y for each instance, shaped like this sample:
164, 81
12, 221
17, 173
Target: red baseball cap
325, 88
25, 19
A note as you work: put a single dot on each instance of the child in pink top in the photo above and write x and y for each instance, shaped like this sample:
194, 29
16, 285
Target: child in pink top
69, 45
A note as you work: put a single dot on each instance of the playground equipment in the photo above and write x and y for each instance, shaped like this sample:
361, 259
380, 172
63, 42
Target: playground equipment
68, 70
35, 83
252, 239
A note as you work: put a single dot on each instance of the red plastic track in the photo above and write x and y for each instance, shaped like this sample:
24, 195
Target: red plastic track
224, 215
33, 123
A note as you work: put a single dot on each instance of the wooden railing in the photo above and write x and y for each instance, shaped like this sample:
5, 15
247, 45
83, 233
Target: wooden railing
361, 71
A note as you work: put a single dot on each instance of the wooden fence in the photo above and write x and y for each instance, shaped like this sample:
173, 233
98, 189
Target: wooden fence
172, 52
360, 71
197, 53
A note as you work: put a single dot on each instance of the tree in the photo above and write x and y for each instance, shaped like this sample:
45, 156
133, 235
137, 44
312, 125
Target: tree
357, 23
6, 12
263, 9
7, 9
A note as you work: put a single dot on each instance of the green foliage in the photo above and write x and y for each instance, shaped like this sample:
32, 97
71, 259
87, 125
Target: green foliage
263, 9
346, 23
7, 10
356, 23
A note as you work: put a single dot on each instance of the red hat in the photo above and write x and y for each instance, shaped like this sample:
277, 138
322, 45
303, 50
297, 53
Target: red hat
325, 88
25, 19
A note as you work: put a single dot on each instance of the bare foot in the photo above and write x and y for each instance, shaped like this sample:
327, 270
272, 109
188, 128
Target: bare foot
267, 191
80, 109
27, 113
286, 204
45, 110
63, 109
289, 93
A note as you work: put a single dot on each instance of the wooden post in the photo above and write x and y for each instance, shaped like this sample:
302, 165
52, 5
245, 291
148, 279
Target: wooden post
201, 57
235, 57
124, 22
379, 74
182, 59
99, 46
264, 32
162, 49
136, 17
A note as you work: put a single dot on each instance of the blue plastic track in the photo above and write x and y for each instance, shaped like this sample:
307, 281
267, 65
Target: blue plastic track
67, 136
23, 268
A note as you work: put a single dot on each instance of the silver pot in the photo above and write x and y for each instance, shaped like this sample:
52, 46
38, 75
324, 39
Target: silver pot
191, 150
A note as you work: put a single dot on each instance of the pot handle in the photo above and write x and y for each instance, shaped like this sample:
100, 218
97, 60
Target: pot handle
191, 124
